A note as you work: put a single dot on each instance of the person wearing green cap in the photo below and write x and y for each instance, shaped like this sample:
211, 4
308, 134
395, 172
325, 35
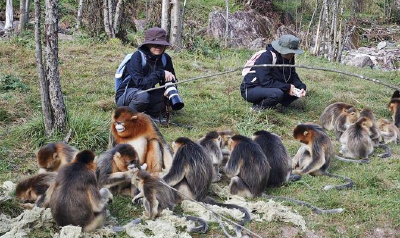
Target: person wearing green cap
265, 87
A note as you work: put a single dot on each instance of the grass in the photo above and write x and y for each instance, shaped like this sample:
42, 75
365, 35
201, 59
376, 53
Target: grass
87, 68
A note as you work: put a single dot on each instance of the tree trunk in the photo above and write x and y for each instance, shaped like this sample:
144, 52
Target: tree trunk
317, 40
52, 73
310, 24
44, 84
106, 19
27, 7
117, 16
79, 17
165, 15
176, 28
183, 16
111, 16
226, 35
22, 17
9, 15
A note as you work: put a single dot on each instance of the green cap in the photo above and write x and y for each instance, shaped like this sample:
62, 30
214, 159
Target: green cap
287, 44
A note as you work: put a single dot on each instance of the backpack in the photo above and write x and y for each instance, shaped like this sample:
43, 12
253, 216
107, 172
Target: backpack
253, 59
121, 68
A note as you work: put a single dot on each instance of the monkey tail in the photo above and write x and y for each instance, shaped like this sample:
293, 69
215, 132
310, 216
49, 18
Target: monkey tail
246, 218
202, 228
361, 161
388, 152
349, 181
315, 209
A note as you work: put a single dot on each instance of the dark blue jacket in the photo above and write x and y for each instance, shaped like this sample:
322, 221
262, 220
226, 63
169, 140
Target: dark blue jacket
145, 77
271, 77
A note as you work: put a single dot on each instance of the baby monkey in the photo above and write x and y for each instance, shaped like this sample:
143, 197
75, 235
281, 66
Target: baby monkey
54, 155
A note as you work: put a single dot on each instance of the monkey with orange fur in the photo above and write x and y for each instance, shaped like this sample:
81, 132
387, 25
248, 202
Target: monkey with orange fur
74, 198
394, 107
343, 121
54, 155
331, 113
29, 190
389, 132
138, 130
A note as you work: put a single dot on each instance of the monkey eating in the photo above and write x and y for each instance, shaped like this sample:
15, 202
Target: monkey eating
74, 198
113, 169
331, 113
54, 155
389, 132
212, 144
32, 189
138, 130
314, 156
277, 156
394, 107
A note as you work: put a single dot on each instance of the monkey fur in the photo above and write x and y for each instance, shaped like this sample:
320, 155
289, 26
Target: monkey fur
112, 168
331, 112
212, 144
315, 155
343, 121
394, 107
277, 156
225, 136
389, 132
31, 189
54, 155
247, 167
74, 198
191, 171
139, 130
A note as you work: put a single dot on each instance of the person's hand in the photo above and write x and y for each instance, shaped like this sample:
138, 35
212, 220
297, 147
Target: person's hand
303, 92
291, 90
169, 77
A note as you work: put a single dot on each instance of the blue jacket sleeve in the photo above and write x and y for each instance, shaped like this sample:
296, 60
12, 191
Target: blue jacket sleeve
141, 80
296, 80
264, 74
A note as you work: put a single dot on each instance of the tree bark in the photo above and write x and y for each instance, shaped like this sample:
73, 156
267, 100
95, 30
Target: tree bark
52, 73
79, 16
226, 23
310, 24
106, 19
44, 84
9, 15
165, 15
22, 16
117, 16
176, 27
317, 40
27, 7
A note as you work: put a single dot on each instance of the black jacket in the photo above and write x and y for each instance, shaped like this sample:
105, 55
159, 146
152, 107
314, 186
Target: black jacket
271, 77
145, 77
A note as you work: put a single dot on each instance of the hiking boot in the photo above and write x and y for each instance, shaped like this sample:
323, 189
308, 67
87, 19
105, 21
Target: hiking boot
157, 120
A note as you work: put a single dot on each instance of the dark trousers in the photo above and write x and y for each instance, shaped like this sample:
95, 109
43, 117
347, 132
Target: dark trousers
151, 103
267, 97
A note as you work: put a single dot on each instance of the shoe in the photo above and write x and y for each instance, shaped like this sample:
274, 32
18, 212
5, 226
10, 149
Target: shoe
157, 120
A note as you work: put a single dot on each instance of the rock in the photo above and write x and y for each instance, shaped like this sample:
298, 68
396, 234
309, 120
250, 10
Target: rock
243, 27
257, 44
140, 24
361, 61
381, 45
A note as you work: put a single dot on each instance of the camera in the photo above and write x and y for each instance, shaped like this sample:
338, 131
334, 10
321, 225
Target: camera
173, 96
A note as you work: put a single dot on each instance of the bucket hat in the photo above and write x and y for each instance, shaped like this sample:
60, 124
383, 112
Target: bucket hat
287, 44
155, 36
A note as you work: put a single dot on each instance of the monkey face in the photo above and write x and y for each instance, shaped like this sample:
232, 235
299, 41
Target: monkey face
302, 133
27, 196
123, 122
232, 144
353, 116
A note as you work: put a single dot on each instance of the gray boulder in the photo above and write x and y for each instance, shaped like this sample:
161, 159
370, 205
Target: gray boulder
244, 28
361, 61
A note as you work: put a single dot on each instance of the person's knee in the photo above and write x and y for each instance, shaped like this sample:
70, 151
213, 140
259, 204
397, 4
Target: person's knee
140, 101
277, 94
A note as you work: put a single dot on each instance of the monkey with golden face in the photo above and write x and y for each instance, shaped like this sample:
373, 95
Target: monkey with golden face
113, 168
138, 130
315, 155
343, 121
389, 132
277, 156
75, 198
212, 144
247, 167
394, 107
33, 188
331, 113
54, 155
225, 136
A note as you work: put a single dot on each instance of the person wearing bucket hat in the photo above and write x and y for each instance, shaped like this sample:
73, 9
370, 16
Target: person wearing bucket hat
147, 67
265, 87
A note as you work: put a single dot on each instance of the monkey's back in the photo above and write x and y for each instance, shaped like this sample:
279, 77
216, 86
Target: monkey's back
212, 149
255, 170
70, 202
324, 143
277, 157
359, 142
331, 112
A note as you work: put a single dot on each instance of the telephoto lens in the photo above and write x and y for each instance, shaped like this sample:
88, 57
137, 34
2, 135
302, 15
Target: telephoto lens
173, 96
